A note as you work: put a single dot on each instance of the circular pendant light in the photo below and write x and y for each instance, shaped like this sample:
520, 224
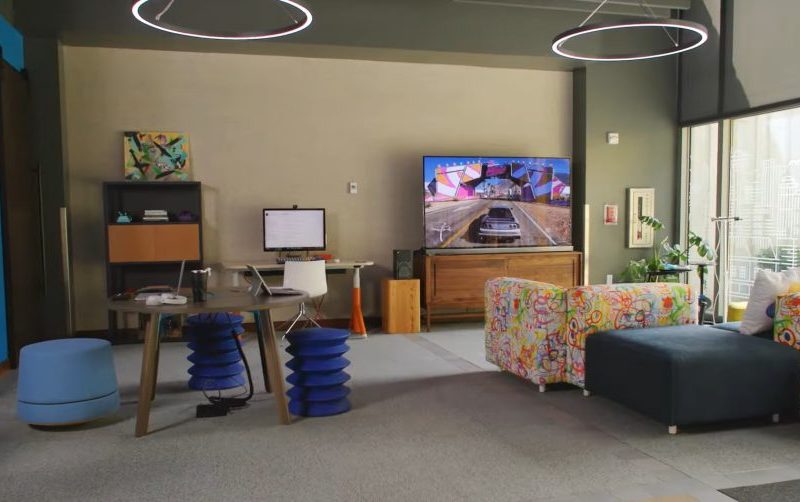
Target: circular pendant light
697, 35
298, 24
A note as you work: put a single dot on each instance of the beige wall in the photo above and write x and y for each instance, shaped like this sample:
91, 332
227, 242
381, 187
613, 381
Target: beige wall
275, 131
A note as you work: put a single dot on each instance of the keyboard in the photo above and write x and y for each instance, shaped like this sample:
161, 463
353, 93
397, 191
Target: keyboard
283, 259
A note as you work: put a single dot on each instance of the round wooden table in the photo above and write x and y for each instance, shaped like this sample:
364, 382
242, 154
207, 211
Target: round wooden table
221, 300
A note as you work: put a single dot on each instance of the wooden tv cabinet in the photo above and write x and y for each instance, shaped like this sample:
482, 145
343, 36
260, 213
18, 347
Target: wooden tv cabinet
455, 282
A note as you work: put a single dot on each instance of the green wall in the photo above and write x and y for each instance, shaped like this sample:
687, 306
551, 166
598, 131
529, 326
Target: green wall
639, 101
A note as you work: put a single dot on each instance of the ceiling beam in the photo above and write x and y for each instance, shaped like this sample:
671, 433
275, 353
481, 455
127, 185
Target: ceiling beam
659, 8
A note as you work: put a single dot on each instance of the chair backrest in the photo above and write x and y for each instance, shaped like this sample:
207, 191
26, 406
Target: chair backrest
308, 276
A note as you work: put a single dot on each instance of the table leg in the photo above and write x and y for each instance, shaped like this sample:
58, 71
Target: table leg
356, 316
158, 357
262, 349
267, 330
147, 379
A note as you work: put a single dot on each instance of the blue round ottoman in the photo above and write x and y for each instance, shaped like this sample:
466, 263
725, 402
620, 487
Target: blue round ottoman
318, 376
65, 382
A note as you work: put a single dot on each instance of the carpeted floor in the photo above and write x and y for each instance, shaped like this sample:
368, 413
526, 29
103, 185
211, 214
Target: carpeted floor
786, 491
431, 421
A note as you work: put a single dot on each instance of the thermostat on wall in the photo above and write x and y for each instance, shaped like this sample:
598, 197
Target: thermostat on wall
612, 138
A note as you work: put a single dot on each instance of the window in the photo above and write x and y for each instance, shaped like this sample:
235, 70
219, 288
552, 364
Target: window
759, 184
702, 190
765, 193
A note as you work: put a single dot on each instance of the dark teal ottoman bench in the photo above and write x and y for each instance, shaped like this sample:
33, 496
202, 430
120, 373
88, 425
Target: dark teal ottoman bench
681, 375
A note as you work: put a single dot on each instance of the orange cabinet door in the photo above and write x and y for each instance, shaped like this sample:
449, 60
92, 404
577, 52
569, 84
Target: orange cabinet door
177, 242
132, 243
153, 243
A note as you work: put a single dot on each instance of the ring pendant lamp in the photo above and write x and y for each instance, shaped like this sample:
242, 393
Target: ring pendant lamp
697, 36
298, 23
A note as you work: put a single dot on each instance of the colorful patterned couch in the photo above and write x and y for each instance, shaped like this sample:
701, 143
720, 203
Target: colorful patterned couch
787, 320
538, 331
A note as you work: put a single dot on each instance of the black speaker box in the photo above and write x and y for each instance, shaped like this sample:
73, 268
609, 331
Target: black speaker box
403, 264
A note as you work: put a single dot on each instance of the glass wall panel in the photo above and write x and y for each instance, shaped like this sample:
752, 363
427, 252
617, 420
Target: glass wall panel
702, 192
765, 193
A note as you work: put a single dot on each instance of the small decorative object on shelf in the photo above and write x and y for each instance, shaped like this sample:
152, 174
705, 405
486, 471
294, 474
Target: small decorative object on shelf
123, 217
155, 215
186, 216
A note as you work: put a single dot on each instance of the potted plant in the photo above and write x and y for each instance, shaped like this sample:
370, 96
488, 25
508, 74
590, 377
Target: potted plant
665, 255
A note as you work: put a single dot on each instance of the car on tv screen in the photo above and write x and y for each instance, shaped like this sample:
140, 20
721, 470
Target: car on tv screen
499, 223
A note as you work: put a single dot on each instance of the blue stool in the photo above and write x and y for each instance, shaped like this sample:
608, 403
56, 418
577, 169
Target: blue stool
318, 372
216, 363
65, 382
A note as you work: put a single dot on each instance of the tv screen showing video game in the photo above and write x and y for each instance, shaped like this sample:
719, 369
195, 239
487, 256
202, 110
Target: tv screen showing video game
497, 202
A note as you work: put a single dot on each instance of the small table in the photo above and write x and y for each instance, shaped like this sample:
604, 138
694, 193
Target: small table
357, 326
219, 301
653, 276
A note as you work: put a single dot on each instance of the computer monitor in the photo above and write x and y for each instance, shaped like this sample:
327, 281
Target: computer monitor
294, 229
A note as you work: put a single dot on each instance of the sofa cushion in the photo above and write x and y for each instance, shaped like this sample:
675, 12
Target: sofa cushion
787, 320
591, 309
735, 327
766, 287
692, 374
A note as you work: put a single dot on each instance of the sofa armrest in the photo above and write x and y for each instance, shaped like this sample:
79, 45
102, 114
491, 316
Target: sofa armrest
786, 326
525, 328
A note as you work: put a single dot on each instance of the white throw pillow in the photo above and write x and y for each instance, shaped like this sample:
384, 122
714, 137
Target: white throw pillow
766, 287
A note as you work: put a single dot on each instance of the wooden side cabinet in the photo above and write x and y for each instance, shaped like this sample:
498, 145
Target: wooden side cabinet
400, 305
454, 284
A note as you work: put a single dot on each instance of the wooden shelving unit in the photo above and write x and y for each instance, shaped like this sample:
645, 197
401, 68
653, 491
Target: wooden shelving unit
140, 254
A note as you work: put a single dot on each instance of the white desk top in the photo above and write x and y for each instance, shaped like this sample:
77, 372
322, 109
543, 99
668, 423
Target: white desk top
330, 265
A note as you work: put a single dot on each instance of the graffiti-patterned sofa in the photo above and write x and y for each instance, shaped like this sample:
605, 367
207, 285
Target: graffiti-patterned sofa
639, 345
538, 331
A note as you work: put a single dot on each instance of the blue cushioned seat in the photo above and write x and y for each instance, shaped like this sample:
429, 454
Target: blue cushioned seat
693, 374
66, 381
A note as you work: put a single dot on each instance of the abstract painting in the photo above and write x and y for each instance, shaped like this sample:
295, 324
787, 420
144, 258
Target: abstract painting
162, 156
641, 202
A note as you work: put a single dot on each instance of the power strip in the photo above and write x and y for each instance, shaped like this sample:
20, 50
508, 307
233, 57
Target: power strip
211, 410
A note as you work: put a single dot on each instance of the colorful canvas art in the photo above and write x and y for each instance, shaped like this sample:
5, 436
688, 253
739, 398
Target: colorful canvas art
162, 156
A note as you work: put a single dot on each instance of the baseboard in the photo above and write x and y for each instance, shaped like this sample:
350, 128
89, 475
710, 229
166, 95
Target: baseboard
132, 335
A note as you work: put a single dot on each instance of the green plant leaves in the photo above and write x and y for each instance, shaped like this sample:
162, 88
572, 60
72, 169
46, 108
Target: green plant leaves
665, 253
652, 222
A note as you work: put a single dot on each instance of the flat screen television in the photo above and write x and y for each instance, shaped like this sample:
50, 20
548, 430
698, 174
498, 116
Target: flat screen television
497, 203
294, 229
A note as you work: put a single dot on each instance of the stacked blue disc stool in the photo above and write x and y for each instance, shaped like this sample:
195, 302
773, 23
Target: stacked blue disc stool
216, 363
318, 377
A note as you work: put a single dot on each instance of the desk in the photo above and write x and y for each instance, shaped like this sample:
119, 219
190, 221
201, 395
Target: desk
357, 326
222, 300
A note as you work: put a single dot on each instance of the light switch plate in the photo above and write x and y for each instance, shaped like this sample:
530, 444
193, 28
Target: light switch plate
612, 138
352, 187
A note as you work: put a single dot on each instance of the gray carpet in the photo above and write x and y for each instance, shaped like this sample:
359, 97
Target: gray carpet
430, 421
786, 491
